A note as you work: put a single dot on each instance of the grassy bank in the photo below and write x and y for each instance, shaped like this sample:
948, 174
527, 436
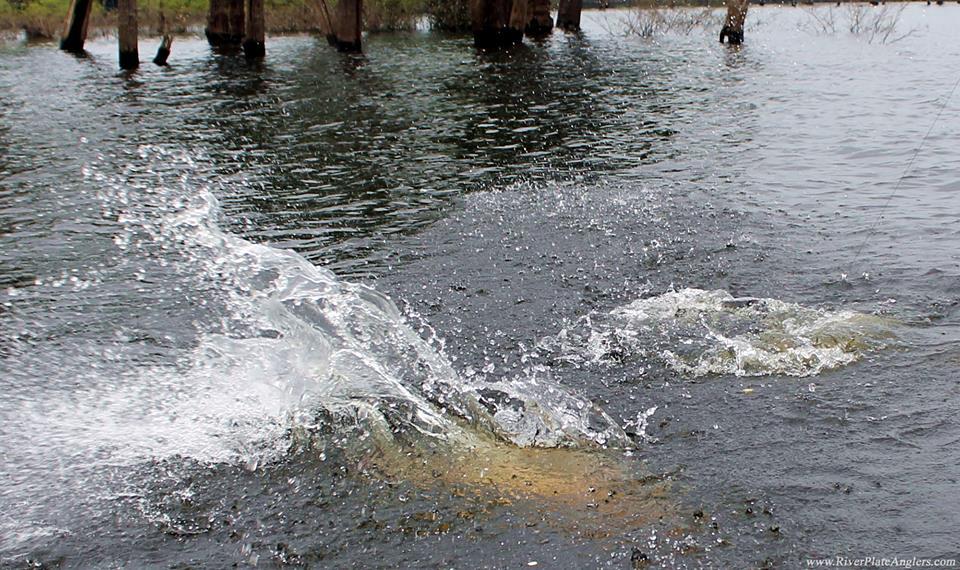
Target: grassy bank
45, 18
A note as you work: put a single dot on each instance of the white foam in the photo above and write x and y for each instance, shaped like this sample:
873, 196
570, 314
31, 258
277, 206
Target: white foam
700, 332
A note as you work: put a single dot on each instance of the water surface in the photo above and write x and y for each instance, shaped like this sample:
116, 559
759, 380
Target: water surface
196, 371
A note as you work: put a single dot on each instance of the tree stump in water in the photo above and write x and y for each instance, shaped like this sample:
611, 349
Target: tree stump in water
348, 25
75, 31
540, 22
568, 15
732, 29
163, 52
254, 46
127, 34
497, 23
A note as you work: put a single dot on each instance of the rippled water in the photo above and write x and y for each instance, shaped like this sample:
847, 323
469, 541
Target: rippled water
597, 299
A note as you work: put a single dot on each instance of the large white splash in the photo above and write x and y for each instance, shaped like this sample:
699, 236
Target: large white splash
292, 342
184, 341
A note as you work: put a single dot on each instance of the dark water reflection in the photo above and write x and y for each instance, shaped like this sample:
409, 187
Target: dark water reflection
376, 145
500, 198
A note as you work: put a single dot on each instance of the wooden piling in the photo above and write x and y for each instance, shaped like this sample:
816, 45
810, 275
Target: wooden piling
127, 34
348, 25
491, 23
75, 29
540, 22
568, 15
733, 27
254, 38
226, 23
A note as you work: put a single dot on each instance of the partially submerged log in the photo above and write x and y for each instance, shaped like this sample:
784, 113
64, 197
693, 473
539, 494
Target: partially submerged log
496, 23
348, 25
540, 23
254, 39
127, 34
75, 29
732, 29
568, 15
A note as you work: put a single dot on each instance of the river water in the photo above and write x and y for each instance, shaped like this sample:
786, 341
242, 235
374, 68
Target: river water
601, 301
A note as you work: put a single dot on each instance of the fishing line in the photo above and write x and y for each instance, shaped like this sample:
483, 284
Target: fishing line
896, 188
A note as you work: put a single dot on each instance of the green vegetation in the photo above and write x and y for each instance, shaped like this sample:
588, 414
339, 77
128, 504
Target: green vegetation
392, 15
449, 15
44, 18
283, 16
39, 18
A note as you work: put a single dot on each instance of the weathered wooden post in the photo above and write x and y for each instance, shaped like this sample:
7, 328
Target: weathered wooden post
348, 25
127, 34
540, 23
254, 38
226, 23
75, 30
733, 27
568, 15
495, 22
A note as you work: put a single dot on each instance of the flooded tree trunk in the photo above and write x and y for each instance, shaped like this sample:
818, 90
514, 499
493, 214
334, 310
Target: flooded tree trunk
127, 34
540, 22
217, 22
225, 23
492, 22
568, 15
326, 24
348, 25
236, 22
733, 27
519, 17
75, 30
255, 34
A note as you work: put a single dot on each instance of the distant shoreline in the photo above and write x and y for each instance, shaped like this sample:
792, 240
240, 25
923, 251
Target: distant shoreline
188, 18
42, 21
